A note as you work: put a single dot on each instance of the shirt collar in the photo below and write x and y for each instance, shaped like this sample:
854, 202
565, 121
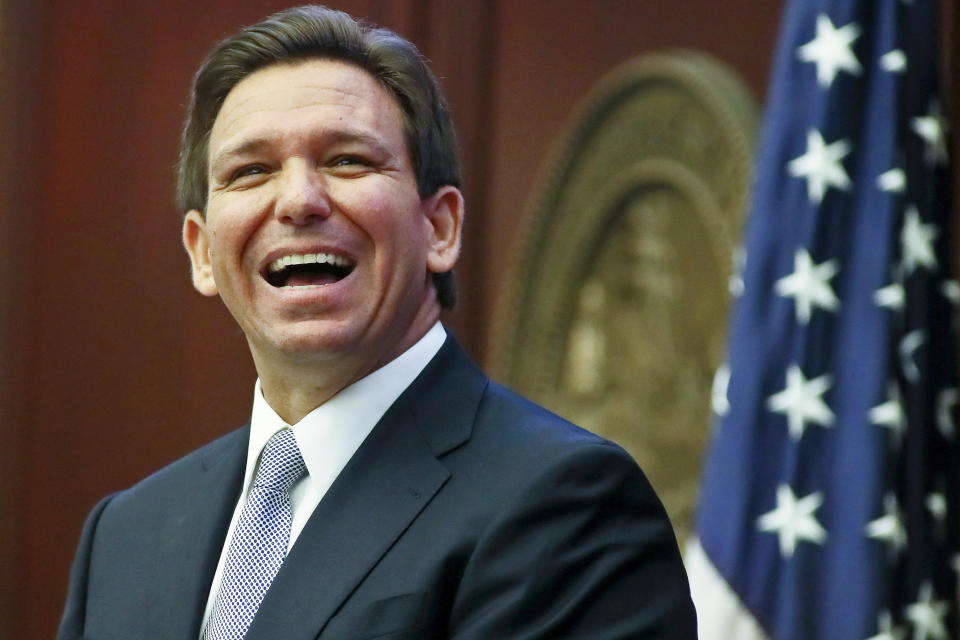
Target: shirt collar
329, 435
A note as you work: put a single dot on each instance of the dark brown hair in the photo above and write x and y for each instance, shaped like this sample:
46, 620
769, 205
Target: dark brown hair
317, 32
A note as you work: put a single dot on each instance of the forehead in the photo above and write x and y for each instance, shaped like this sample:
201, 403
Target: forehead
318, 93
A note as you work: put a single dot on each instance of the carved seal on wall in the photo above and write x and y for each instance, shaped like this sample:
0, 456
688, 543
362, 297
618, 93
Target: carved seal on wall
615, 316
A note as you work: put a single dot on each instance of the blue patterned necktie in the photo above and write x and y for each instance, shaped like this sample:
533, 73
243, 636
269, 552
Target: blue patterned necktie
259, 542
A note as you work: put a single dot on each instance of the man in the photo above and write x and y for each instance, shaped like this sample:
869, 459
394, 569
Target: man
385, 488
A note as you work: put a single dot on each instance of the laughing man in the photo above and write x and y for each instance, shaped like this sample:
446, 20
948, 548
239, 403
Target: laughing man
385, 487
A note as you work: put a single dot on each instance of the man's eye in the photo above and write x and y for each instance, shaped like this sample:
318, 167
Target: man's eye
348, 161
251, 170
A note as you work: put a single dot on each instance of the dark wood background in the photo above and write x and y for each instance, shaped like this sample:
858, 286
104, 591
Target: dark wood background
110, 364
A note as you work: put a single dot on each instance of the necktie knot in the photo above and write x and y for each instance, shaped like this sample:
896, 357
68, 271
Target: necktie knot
281, 463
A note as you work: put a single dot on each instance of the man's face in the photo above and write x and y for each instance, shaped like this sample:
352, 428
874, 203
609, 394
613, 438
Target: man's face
315, 236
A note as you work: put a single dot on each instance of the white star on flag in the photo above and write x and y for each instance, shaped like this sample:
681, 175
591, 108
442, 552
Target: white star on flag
886, 629
821, 166
718, 395
891, 296
908, 347
801, 402
889, 527
809, 285
946, 406
937, 505
892, 181
735, 284
793, 520
933, 129
830, 50
894, 61
916, 241
950, 289
890, 413
926, 615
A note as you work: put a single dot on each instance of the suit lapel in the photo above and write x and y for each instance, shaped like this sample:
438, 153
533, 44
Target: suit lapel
189, 545
383, 488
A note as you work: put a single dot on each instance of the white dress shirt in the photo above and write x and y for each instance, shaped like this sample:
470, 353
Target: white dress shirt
328, 436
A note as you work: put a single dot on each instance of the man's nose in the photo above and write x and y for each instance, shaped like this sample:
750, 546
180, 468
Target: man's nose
303, 196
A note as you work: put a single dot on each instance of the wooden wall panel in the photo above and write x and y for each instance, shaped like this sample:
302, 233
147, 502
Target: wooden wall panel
20, 55
122, 367
461, 42
551, 52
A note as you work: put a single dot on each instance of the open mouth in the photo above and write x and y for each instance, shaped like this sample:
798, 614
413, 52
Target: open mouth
308, 270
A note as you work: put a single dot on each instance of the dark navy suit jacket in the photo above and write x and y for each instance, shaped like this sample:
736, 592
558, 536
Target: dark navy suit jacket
468, 513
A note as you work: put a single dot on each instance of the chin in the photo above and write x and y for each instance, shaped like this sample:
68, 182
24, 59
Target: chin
312, 343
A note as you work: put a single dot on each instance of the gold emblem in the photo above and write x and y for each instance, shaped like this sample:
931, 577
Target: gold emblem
617, 314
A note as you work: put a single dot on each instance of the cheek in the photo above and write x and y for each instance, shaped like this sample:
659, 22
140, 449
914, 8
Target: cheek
219, 243
232, 228
226, 257
387, 215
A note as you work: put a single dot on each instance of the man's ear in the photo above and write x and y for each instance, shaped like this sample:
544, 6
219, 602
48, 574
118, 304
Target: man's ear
444, 211
197, 244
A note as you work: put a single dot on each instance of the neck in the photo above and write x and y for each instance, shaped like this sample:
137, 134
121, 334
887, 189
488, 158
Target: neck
295, 386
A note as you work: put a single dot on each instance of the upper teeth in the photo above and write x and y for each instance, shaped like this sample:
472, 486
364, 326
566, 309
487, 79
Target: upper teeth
309, 258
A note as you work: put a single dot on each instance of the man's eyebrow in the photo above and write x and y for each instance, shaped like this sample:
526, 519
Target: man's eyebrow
337, 136
242, 148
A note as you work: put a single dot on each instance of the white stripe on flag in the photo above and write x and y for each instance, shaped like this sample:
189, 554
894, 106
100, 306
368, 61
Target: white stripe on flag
720, 614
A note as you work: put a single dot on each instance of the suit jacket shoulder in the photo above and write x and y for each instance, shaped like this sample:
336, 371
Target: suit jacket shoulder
539, 530
147, 554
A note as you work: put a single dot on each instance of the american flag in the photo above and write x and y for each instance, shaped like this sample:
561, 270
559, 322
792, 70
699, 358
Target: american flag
829, 500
